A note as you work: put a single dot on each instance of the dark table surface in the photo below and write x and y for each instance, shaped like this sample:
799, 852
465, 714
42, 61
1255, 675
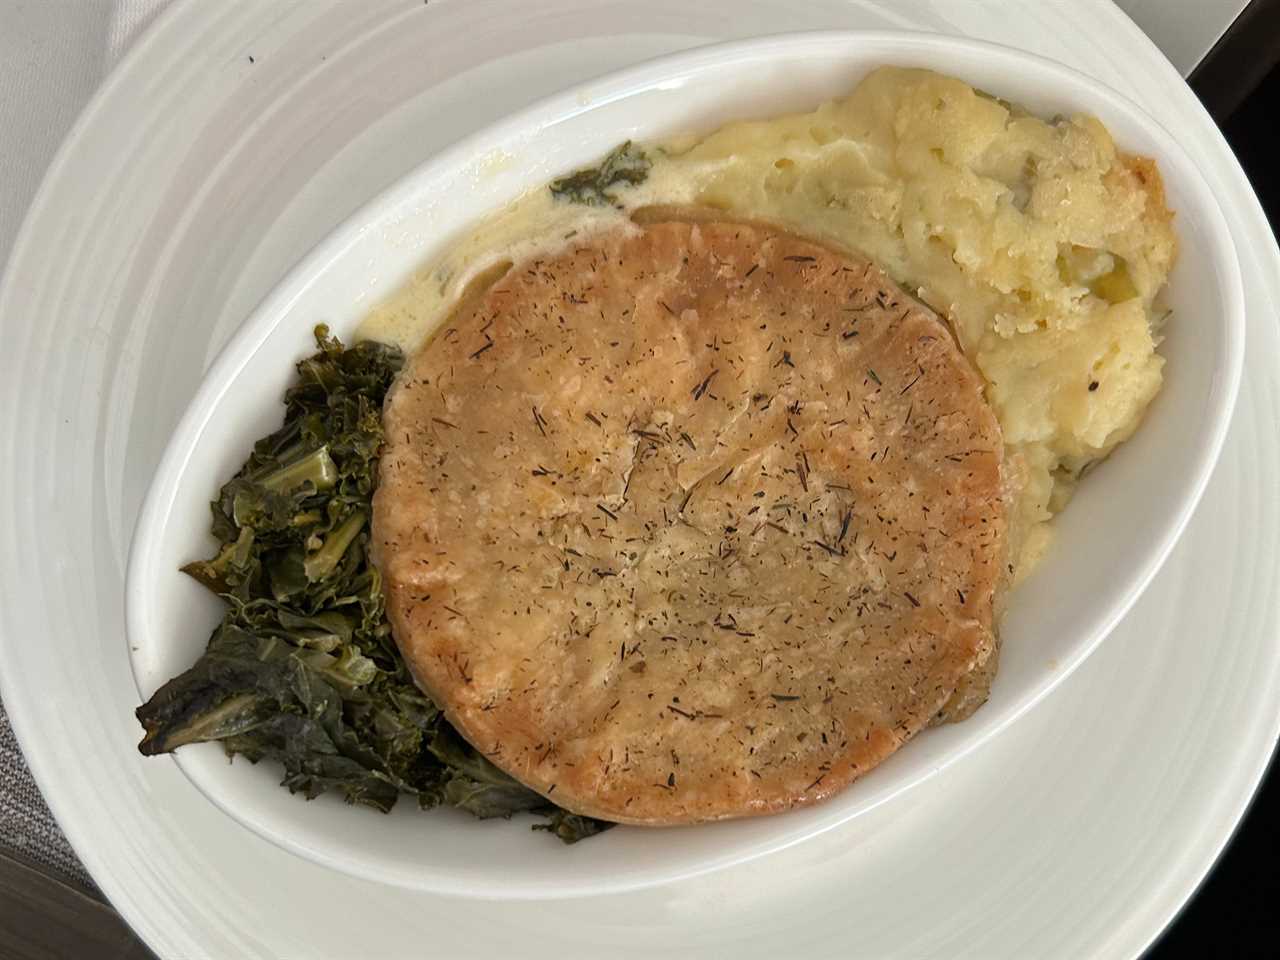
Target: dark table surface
1236, 908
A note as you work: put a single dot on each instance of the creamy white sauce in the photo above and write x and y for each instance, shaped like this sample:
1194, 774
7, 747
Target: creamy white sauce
535, 224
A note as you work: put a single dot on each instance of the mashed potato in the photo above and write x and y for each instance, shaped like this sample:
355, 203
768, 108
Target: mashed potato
1044, 246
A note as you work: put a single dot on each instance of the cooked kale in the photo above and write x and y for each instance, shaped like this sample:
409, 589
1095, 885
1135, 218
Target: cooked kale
303, 669
625, 164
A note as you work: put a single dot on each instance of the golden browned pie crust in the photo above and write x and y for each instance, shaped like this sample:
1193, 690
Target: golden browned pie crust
691, 521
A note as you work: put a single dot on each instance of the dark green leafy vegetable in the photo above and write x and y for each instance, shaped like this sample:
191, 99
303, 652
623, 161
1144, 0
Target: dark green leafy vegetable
303, 669
625, 164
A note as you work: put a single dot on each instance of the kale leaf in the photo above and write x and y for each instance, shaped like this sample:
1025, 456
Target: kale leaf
303, 669
625, 164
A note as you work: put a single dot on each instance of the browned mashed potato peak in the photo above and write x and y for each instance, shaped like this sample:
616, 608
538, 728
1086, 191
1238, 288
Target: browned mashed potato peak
1043, 245
691, 521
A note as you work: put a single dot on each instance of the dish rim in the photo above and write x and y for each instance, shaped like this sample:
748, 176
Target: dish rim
581, 98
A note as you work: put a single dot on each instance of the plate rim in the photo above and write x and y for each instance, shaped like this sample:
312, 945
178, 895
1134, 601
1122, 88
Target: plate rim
1242, 203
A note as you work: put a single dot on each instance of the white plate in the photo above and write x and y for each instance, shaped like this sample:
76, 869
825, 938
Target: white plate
192, 185
1119, 529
